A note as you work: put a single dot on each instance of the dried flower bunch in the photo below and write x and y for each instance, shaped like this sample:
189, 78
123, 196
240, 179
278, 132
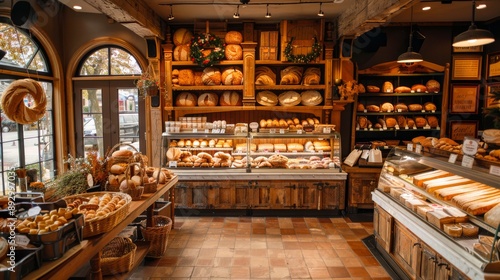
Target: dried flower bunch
145, 81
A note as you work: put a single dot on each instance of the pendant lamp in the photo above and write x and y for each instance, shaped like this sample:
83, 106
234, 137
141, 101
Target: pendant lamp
473, 36
410, 56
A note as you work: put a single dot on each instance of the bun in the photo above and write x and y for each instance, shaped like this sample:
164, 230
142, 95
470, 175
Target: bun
387, 107
387, 87
289, 98
390, 122
312, 76
311, 98
267, 98
415, 107
182, 36
186, 77
182, 53
360, 108
232, 76
402, 89
432, 121
419, 88
233, 37
401, 107
186, 99
420, 121
233, 52
373, 108
433, 86
429, 106
373, 89
292, 75
265, 76
208, 99
211, 76
230, 98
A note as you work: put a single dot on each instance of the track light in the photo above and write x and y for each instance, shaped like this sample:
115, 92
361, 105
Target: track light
237, 14
320, 13
171, 16
473, 36
410, 56
268, 14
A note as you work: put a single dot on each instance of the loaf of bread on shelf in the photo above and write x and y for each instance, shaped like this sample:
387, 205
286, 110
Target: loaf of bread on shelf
280, 147
402, 89
372, 108
433, 86
211, 76
182, 53
415, 107
312, 76
173, 154
198, 81
453, 230
311, 98
421, 178
372, 89
295, 147
233, 52
289, 98
264, 76
432, 121
448, 193
267, 98
469, 230
387, 107
265, 147
230, 98
186, 99
233, 37
390, 122
387, 87
418, 88
401, 107
360, 107
482, 206
410, 122
460, 217
232, 76
429, 106
186, 77
182, 36
401, 120
420, 121
208, 99
291, 75
492, 216
362, 122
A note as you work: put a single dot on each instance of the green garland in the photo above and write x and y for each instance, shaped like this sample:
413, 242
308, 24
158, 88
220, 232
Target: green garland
302, 58
200, 42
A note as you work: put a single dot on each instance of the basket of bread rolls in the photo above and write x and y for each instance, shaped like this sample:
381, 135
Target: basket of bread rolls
132, 184
117, 161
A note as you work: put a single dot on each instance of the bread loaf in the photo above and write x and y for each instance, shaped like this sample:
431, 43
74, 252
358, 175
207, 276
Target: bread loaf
410, 122
402, 89
186, 77
265, 147
363, 122
295, 147
415, 107
469, 230
198, 81
433, 86
421, 178
233, 52
173, 154
492, 216
401, 107
390, 122
453, 230
232, 76
373, 108
361, 88
311, 98
387, 107
432, 121
291, 75
418, 88
264, 76
387, 87
372, 89
182, 53
420, 122
208, 99
429, 106
230, 98
289, 98
266, 98
233, 37
360, 107
401, 120
186, 99
211, 76
182, 36
312, 76
439, 218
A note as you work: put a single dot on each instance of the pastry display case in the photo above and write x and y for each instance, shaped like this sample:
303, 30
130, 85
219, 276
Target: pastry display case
429, 208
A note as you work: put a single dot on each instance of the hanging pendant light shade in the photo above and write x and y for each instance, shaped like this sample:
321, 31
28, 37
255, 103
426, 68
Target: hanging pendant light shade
410, 56
473, 36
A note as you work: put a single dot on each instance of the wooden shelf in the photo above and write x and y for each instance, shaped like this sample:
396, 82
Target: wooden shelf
221, 63
291, 87
206, 88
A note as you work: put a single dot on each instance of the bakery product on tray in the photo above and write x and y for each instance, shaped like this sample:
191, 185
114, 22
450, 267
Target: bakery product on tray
291, 75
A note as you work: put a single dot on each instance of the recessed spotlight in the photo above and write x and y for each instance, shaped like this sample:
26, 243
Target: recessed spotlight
76, 7
426, 8
481, 6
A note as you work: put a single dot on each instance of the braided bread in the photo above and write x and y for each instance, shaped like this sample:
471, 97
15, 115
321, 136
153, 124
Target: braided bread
13, 101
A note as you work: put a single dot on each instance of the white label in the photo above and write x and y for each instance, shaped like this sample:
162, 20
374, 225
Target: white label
453, 158
470, 146
467, 161
396, 127
423, 111
438, 128
365, 154
400, 110
172, 163
365, 110
357, 128
371, 129
409, 147
300, 131
223, 131
418, 149
406, 127
22, 240
282, 131
327, 130
427, 126
434, 111
207, 130
365, 128
495, 170
320, 151
414, 127
272, 130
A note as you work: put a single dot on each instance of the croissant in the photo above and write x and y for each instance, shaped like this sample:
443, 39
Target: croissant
291, 75
265, 76
312, 76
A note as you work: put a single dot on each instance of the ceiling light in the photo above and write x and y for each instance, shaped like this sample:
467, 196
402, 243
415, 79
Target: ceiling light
481, 6
237, 14
320, 13
426, 8
268, 14
171, 16
473, 36
410, 56
76, 7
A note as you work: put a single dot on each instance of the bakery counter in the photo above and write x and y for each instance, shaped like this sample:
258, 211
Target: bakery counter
223, 174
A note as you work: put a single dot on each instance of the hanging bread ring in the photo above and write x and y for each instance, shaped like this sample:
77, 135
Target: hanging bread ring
13, 101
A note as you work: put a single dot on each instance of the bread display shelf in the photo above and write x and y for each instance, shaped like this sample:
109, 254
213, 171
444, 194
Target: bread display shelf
206, 88
398, 113
221, 63
285, 64
288, 154
189, 149
397, 130
206, 109
290, 87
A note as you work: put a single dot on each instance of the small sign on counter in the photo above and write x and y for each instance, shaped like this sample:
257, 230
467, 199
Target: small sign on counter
495, 170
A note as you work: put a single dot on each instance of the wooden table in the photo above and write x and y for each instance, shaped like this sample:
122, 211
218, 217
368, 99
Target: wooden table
90, 249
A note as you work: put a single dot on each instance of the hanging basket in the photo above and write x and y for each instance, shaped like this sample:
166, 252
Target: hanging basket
152, 91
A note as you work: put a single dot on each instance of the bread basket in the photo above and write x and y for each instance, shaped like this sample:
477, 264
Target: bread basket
118, 256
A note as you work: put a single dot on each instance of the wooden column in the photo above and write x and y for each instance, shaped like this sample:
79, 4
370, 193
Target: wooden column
249, 73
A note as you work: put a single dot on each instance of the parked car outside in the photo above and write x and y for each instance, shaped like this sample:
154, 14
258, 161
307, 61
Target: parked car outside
7, 124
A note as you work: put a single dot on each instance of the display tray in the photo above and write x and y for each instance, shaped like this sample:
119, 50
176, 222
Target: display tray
27, 260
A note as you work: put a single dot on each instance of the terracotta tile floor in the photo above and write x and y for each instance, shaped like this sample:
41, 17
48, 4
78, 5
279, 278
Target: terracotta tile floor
265, 248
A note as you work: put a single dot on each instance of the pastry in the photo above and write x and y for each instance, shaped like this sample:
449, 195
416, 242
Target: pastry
230, 98
311, 98
182, 53
432, 121
267, 98
387, 87
373, 108
186, 99
264, 76
387, 107
415, 107
289, 98
233, 52
401, 107
312, 76
418, 88
211, 76
186, 77
182, 36
429, 106
232, 76
208, 99
433, 86
402, 89
373, 89
233, 37
291, 75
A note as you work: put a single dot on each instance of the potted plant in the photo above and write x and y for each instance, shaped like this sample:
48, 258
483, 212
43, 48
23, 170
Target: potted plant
147, 84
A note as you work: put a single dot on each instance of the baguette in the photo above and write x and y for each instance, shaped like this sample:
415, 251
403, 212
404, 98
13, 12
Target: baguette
431, 188
421, 178
440, 180
471, 196
481, 208
448, 193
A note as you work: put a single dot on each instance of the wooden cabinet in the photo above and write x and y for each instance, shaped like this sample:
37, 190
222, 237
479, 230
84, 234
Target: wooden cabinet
360, 184
382, 228
405, 249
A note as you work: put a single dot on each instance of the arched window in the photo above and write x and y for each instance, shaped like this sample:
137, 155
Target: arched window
25, 147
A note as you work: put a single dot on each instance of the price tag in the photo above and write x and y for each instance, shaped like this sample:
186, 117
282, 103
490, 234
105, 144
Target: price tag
300, 131
495, 170
470, 146
365, 154
195, 130
438, 128
371, 129
434, 111
409, 147
272, 130
327, 130
423, 111
365, 128
400, 110
467, 161
282, 131
22, 240
223, 130
172, 163
207, 130
406, 127
396, 127
414, 127
357, 128
365, 110
418, 149
453, 158
320, 151
427, 127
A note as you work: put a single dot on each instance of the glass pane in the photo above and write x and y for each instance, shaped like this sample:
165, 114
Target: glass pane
92, 120
96, 64
19, 46
38, 63
123, 63
128, 118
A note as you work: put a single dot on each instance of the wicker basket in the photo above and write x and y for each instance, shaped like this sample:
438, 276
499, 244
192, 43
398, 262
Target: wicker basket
135, 193
118, 256
157, 235
104, 223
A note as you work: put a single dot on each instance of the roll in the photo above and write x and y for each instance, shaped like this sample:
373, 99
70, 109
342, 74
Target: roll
429, 106
433, 86
415, 107
373, 108
372, 89
401, 107
387, 107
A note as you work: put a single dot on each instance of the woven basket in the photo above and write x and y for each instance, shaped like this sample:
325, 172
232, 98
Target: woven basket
104, 223
135, 193
118, 256
157, 235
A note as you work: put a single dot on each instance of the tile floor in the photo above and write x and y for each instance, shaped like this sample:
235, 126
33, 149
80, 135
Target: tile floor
265, 248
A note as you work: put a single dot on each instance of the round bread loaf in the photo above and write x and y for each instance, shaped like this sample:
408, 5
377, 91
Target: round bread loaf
418, 88
230, 98
211, 76
429, 106
401, 121
387, 87
420, 121
232, 76
233, 37
182, 36
387, 107
186, 77
401, 107
373, 89
233, 52
410, 122
267, 98
289, 98
373, 108
390, 122
402, 89
182, 53
432, 121
363, 122
264, 76
415, 107
433, 86
185, 99
208, 99
361, 88
311, 98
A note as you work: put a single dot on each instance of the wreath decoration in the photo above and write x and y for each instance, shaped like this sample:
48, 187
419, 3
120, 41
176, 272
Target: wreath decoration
206, 49
302, 58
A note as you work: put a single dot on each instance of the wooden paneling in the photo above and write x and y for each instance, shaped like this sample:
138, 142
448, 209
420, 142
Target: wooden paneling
405, 249
382, 227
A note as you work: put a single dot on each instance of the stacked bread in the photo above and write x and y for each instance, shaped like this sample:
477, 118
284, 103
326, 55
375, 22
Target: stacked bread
431, 86
294, 123
182, 39
233, 50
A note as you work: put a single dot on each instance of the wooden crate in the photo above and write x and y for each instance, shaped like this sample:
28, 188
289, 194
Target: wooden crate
269, 42
303, 33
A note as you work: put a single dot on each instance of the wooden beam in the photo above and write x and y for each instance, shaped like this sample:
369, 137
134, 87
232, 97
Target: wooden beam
365, 15
133, 14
